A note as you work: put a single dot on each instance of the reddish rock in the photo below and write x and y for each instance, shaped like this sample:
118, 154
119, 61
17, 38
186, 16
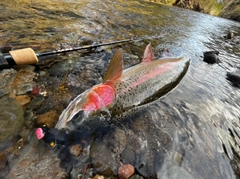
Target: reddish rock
125, 171
36, 90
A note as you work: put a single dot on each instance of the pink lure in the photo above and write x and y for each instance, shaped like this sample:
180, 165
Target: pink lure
39, 133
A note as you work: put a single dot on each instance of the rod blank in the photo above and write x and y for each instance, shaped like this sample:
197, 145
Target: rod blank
27, 56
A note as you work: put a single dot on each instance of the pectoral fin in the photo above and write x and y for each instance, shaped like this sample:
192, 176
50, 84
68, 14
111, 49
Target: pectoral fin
115, 67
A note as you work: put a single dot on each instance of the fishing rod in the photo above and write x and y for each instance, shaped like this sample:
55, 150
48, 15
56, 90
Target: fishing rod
27, 56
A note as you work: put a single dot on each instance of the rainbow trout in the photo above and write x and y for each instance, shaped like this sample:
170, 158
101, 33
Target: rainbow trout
122, 90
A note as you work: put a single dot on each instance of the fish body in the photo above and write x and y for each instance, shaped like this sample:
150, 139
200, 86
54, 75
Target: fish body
122, 90
147, 80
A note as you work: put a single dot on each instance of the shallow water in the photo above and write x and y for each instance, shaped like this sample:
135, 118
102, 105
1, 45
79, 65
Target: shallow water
191, 132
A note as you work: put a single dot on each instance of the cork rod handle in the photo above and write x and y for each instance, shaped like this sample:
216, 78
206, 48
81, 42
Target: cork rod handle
24, 56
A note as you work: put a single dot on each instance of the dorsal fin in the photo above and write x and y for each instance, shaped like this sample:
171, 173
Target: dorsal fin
115, 68
148, 54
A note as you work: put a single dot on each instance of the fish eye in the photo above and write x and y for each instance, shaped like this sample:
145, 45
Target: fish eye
78, 118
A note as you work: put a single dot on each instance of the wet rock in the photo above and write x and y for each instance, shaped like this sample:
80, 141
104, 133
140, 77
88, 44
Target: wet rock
128, 155
117, 141
102, 159
178, 158
4, 167
6, 48
11, 118
47, 104
23, 99
6, 77
234, 78
211, 57
98, 177
145, 150
76, 149
36, 161
140, 124
28, 116
235, 17
36, 102
24, 133
125, 171
49, 118
86, 40
176, 173
136, 177
23, 81
230, 35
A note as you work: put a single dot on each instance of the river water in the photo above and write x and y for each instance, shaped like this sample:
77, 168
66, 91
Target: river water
191, 132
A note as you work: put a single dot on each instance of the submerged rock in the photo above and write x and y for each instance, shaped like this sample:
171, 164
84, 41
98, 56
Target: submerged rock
76, 149
176, 172
36, 161
117, 141
103, 159
11, 118
49, 118
230, 35
23, 99
36, 102
6, 77
98, 177
24, 80
211, 57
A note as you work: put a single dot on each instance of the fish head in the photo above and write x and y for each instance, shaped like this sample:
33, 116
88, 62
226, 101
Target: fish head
76, 120
73, 112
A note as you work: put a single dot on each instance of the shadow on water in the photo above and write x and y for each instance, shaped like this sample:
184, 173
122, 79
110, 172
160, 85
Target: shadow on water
191, 132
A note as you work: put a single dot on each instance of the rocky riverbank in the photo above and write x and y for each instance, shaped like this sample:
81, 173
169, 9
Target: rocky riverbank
224, 8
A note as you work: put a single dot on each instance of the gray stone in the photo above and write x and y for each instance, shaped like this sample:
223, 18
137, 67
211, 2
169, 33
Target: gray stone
11, 118
6, 77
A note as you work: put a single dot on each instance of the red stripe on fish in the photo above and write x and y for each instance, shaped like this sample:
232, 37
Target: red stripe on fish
155, 72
